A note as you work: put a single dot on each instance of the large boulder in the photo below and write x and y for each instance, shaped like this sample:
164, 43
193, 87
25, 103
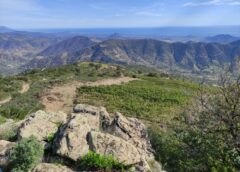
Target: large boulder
107, 144
5, 147
41, 125
134, 132
71, 141
46, 167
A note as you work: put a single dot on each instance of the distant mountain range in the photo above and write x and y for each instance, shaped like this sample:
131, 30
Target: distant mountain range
223, 38
17, 48
4, 29
67, 46
21, 50
194, 56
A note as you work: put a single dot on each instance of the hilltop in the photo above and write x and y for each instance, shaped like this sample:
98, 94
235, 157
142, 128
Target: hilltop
154, 106
152, 98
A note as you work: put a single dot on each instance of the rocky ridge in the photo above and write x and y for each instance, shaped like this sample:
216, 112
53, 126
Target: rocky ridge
88, 128
196, 56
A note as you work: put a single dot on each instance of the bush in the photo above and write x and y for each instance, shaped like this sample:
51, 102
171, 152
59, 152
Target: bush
26, 154
9, 133
94, 161
152, 74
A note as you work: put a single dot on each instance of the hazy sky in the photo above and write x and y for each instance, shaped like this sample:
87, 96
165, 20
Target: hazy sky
117, 13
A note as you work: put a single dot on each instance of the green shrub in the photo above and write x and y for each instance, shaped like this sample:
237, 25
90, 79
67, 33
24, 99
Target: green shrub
9, 133
94, 161
151, 74
50, 138
26, 154
151, 98
2, 119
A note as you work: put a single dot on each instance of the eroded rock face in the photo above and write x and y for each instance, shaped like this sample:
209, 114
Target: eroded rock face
107, 144
71, 141
41, 125
92, 128
5, 147
46, 167
133, 131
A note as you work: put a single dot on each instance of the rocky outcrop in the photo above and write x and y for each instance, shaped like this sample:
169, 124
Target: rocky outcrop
88, 128
41, 125
92, 129
133, 131
107, 144
5, 147
71, 141
45, 167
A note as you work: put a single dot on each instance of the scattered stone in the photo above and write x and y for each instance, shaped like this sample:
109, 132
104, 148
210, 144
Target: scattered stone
46, 167
81, 108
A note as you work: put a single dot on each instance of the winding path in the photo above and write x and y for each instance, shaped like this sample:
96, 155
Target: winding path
61, 97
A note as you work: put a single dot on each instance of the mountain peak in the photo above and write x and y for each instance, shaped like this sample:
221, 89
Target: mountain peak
4, 29
222, 38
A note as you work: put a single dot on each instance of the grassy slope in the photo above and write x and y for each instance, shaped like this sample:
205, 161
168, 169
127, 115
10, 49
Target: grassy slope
154, 99
40, 80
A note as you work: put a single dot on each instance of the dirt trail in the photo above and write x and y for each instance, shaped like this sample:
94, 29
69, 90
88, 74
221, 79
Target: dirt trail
5, 101
61, 97
25, 88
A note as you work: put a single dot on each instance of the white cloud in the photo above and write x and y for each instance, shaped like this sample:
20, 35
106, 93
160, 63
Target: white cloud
19, 5
234, 3
153, 9
212, 2
147, 13
99, 7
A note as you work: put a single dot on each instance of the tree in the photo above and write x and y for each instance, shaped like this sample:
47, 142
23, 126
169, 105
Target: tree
212, 136
206, 137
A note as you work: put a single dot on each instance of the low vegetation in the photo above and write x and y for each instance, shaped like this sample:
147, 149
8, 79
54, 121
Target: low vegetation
42, 79
183, 138
154, 99
9, 133
185, 135
96, 162
2, 119
206, 137
25, 155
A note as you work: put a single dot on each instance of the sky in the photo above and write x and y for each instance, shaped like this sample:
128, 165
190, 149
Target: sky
117, 13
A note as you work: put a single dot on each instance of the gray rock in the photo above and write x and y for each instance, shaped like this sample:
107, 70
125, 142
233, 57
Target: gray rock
5, 147
133, 131
81, 108
71, 141
107, 144
41, 125
91, 128
46, 167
